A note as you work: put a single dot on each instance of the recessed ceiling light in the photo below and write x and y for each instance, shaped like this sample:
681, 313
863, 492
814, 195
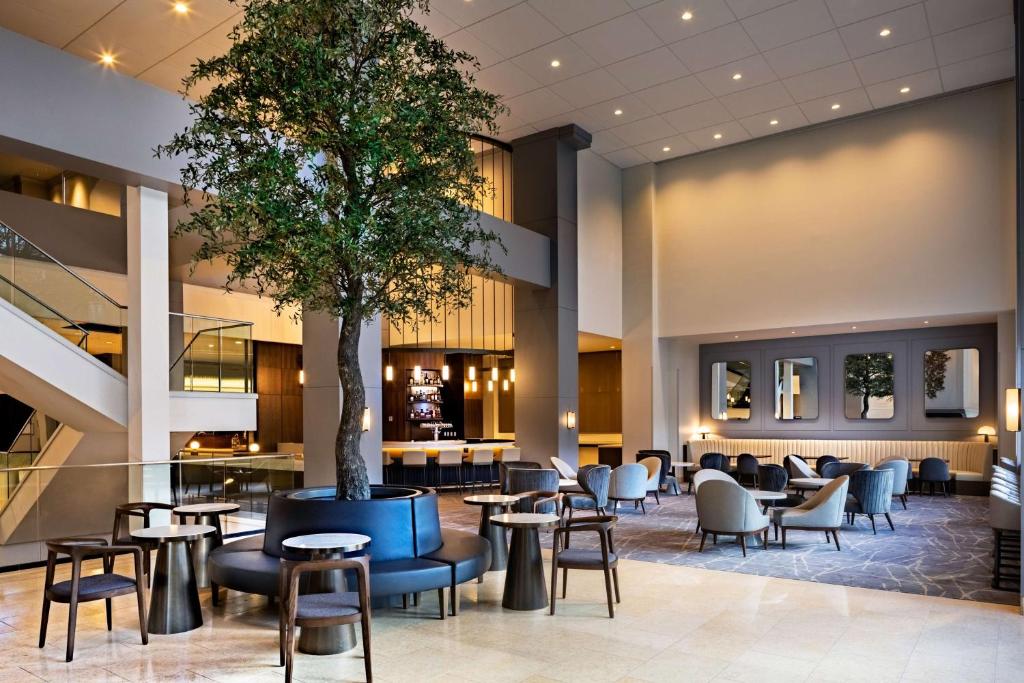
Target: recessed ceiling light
773, 122
107, 59
853, 327
181, 7
737, 76
618, 112
835, 106
925, 322
717, 136
687, 15
905, 89
793, 332
555, 64
885, 32
735, 336
666, 149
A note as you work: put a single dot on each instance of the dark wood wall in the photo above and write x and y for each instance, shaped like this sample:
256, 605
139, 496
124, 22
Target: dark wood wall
279, 407
601, 392
397, 427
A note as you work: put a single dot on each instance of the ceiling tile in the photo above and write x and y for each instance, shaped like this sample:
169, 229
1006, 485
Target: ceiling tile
644, 130
572, 61
667, 148
435, 22
827, 81
906, 26
697, 116
637, 4
465, 13
899, 61
715, 47
506, 79
650, 68
756, 100
515, 133
889, 93
851, 11
787, 118
816, 52
721, 80
850, 103
788, 23
56, 22
515, 31
606, 141
537, 105
617, 39
987, 69
744, 8
666, 17
602, 116
625, 158
974, 41
730, 133
575, 15
590, 88
946, 15
467, 42
675, 94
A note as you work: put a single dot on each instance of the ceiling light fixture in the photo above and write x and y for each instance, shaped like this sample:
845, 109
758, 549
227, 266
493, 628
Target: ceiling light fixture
107, 59
618, 112
687, 15
555, 64
885, 32
181, 8
666, 149
737, 76
718, 136
835, 106
773, 122
905, 89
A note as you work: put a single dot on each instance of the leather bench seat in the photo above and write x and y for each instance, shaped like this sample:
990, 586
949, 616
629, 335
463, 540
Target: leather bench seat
468, 554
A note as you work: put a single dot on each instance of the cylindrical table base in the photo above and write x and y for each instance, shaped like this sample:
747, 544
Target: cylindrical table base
201, 549
174, 606
495, 535
327, 640
525, 588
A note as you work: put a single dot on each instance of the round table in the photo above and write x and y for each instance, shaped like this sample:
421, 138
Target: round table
809, 482
326, 640
766, 495
491, 505
525, 588
569, 485
174, 601
208, 514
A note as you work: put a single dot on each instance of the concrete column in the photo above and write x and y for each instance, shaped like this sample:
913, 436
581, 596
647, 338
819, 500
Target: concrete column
148, 348
321, 397
547, 354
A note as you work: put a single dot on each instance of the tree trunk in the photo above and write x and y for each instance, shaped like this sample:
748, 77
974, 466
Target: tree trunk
864, 406
353, 483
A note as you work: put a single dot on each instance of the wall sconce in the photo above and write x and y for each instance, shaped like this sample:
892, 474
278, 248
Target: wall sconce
1013, 397
504, 385
194, 445
570, 420
490, 385
512, 375
986, 432
494, 374
472, 373
366, 419
417, 374
446, 372
302, 376
254, 447
703, 431
389, 372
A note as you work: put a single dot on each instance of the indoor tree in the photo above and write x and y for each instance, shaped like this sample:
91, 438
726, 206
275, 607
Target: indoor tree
869, 375
332, 156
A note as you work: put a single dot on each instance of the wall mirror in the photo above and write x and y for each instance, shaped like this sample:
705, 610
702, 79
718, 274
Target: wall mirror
868, 379
730, 390
951, 379
796, 388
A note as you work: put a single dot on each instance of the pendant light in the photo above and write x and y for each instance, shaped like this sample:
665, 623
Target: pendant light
417, 374
504, 385
512, 375
446, 372
490, 385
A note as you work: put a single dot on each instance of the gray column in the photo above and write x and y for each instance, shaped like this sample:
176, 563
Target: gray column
547, 356
321, 397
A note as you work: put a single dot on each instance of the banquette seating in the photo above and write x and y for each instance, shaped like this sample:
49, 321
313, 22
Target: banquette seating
409, 552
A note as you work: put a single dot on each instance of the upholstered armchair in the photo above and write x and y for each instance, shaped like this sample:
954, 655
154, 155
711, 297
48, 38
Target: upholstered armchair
726, 508
870, 494
542, 482
667, 481
565, 470
704, 476
746, 468
823, 460
773, 477
838, 469
900, 475
504, 468
628, 482
714, 461
653, 466
594, 480
797, 467
934, 471
823, 512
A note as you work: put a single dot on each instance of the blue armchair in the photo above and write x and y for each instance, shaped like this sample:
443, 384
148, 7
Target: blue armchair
594, 480
870, 494
628, 482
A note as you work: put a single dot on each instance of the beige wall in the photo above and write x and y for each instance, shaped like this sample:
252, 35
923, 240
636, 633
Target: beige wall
905, 213
599, 194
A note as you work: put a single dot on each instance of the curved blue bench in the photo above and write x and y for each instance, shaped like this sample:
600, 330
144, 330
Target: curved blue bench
409, 551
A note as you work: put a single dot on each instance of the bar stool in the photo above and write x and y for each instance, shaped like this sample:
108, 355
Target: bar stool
481, 457
448, 460
414, 460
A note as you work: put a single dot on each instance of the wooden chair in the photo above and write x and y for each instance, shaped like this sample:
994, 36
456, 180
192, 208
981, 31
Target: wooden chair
568, 558
323, 609
121, 535
90, 587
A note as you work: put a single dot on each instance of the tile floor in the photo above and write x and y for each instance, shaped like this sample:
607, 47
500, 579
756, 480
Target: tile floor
675, 624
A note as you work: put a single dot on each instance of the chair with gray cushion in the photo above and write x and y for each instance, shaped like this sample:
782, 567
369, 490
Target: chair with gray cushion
870, 494
933, 471
714, 461
838, 469
773, 477
628, 482
594, 480
504, 467
746, 468
900, 474
704, 476
820, 463
604, 559
797, 467
565, 470
726, 508
653, 466
823, 512
522, 481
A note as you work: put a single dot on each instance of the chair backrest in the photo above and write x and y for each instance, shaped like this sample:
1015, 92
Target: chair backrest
564, 468
653, 467
595, 479
481, 456
727, 506
414, 458
933, 469
830, 500
873, 490
900, 472
511, 454
628, 482
798, 467
746, 464
772, 477
820, 463
125, 511
505, 467
837, 469
664, 456
523, 480
714, 461
709, 475
449, 458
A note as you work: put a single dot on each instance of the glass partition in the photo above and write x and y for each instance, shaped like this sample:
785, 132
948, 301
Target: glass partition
494, 163
868, 380
730, 390
210, 354
796, 389
951, 383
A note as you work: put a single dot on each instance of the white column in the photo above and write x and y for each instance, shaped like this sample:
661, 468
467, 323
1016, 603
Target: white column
148, 347
321, 397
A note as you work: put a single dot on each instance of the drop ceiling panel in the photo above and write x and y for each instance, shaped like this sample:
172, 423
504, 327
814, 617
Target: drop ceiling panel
946, 15
707, 138
994, 67
744, 8
825, 109
572, 61
831, 79
850, 11
575, 15
617, 39
887, 94
506, 79
666, 148
974, 41
697, 116
515, 31
907, 25
665, 17
752, 71
786, 118
788, 23
602, 116
675, 94
55, 22
645, 130
648, 69
715, 47
899, 61
590, 88
816, 52
466, 13
756, 100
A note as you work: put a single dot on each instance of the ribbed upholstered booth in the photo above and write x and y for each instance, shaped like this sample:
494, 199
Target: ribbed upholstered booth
970, 461
410, 552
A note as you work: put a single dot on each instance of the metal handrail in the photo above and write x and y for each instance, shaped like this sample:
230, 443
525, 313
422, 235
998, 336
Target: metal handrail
196, 335
208, 317
63, 267
51, 309
146, 463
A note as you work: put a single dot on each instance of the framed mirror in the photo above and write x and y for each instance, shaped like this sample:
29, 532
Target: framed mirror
951, 383
796, 388
730, 390
868, 386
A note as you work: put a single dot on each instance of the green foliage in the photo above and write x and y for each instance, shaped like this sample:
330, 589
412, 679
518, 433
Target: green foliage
935, 363
869, 375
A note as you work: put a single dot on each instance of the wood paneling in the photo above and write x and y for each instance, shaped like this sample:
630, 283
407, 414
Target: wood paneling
279, 407
600, 392
397, 427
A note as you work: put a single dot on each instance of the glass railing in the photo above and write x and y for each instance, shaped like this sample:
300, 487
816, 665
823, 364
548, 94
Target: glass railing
210, 354
494, 163
47, 290
23, 452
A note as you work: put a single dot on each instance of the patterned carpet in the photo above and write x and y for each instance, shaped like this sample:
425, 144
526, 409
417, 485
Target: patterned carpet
941, 547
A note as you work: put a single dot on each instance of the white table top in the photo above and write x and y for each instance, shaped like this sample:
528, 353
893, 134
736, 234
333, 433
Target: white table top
206, 508
175, 532
490, 499
525, 520
684, 465
809, 482
335, 542
766, 495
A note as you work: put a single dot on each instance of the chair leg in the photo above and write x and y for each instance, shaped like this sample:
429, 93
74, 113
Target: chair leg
365, 623
765, 542
415, 599
140, 596
874, 531
642, 507
776, 527
783, 538
945, 489
289, 652
608, 592
453, 595
656, 498
903, 499
405, 601
615, 582
44, 621
835, 537
214, 594
554, 583
282, 634
110, 617
743, 544
703, 537
72, 619
442, 604
827, 539
888, 518
565, 581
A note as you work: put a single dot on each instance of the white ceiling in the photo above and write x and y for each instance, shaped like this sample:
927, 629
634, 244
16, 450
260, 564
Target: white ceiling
671, 79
